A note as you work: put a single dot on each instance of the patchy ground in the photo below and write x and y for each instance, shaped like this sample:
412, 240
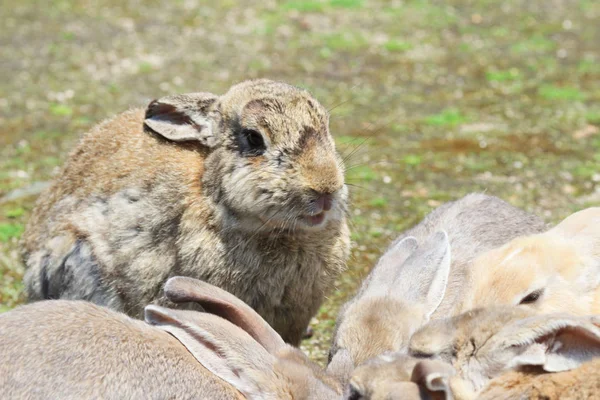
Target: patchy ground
429, 99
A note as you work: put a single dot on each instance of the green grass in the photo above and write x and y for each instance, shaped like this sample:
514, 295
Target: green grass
10, 231
503, 75
448, 117
397, 46
551, 92
61, 110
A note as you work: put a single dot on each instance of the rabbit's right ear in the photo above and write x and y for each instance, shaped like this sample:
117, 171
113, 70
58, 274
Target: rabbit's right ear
183, 117
221, 347
423, 277
217, 301
387, 267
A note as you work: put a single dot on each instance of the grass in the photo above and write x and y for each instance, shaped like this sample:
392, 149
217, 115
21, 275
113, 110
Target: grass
551, 92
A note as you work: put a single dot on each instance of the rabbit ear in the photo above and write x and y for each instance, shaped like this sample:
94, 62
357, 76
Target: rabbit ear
385, 271
423, 277
341, 366
585, 222
222, 303
221, 347
183, 118
433, 376
557, 342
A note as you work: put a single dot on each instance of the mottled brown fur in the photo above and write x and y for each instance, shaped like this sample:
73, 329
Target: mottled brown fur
134, 206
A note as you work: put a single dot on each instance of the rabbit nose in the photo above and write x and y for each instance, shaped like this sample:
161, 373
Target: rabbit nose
323, 202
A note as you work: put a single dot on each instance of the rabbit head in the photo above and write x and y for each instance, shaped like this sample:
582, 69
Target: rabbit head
550, 272
272, 162
484, 343
400, 294
400, 376
249, 355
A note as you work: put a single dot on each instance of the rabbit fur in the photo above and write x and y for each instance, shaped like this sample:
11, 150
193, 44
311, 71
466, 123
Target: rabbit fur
490, 353
69, 349
558, 270
244, 190
425, 273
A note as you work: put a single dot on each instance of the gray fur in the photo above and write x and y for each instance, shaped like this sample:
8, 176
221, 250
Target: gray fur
474, 224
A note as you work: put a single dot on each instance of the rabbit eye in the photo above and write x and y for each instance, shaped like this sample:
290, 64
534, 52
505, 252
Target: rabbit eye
256, 143
532, 297
420, 354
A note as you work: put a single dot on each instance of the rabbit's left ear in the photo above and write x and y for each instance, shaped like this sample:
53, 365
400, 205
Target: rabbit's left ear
221, 347
219, 302
433, 376
584, 223
184, 118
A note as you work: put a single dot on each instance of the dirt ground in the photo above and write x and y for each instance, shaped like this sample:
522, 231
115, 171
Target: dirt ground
429, 100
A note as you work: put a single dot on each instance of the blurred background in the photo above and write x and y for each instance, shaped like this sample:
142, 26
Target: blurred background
429, 100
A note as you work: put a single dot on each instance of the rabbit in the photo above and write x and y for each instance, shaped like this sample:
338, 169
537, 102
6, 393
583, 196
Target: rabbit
73, 349
558, 270
244, 190
381, 317
488, 350
399, 376
406, 286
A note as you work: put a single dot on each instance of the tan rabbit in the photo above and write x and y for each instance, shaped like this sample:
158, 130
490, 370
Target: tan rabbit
244, 190
479, 351
401, 293
558, 270
78, 350
418, 279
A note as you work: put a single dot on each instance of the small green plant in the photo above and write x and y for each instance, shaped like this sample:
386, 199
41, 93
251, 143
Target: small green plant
346, 3
14, 212
551, 92
412, 159
448, 117
397, 46
361, 173
9, 231
60, 110
379, 202
502, 76
304, 6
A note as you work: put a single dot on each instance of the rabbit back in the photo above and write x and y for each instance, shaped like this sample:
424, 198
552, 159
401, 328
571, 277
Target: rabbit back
72, 350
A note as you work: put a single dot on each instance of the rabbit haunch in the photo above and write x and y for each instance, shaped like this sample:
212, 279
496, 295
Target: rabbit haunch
245, 191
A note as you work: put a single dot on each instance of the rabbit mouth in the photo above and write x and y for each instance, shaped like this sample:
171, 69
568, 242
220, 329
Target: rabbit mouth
314, 220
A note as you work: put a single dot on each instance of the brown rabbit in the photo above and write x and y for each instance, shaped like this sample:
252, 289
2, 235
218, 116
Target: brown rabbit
78, 350
244, 190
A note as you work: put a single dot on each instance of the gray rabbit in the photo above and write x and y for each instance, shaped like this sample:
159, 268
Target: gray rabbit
424, 275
